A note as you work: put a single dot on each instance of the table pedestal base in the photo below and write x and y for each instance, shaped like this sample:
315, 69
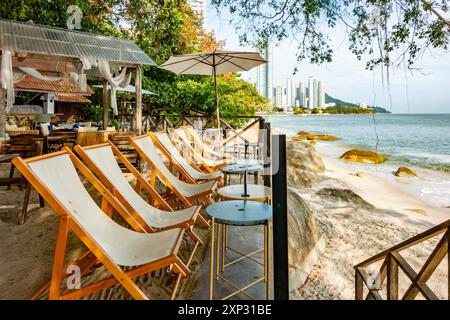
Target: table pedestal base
218, 249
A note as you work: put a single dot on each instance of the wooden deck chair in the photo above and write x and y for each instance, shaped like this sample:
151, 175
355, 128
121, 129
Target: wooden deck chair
186, 166
186, 193
208, 164
101, 159
55, 177
201, 145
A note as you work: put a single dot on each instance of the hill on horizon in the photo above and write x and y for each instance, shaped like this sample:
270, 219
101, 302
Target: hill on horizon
330, 99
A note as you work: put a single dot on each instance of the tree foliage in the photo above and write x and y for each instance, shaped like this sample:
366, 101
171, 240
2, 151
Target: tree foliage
383, 32
187, 93
161, 29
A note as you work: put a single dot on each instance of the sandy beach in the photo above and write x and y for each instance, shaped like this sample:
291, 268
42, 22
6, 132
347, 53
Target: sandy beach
354, 233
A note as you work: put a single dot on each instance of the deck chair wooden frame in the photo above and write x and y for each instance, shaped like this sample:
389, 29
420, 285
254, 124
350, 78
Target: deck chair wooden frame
156, 172
190, 158
201, 144
197, 156
95, 254
176, 162
141, 182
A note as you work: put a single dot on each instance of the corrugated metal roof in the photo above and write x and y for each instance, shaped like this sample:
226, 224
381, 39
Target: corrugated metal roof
65, 85
38, 39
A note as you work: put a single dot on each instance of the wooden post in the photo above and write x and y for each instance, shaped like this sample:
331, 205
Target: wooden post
138, 85
448, 264
359, 286
266, 155
2, 112
392, 278
261, 138
280, 219
105, 101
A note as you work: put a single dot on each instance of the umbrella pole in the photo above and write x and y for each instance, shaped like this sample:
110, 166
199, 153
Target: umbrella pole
215, 92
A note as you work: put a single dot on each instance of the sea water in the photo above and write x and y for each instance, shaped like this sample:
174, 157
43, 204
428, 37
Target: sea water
419, 141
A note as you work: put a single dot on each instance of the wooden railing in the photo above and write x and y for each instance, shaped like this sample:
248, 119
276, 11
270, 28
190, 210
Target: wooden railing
228, 123
393, 260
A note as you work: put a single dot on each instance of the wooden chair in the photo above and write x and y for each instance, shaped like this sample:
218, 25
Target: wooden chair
25, 145
177, 158
56, 178
207, 164
120, 140
181, 191
69, 137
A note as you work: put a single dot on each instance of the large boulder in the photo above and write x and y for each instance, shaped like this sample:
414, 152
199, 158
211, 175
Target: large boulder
304, 241
344, 196
363, 156
298, 138
301, 178
303, 164
405, 172
303, 156
313, 136
325, 137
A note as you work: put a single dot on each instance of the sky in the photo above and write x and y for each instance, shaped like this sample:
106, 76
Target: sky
346, 78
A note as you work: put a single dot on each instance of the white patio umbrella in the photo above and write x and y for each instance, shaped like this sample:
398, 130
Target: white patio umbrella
213, 63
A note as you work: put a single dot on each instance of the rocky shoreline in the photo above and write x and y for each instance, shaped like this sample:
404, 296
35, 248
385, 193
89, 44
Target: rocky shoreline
339, 218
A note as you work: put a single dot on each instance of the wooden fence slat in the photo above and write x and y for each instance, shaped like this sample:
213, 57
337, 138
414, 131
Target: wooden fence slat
433, 261
412, 275
359, 286
392, 275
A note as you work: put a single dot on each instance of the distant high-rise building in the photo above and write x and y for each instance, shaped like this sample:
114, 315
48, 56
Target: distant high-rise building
199, 8
293, 94
290, 92
321, 94
315, 95
301, 96
279, 96
264, 75
310, 92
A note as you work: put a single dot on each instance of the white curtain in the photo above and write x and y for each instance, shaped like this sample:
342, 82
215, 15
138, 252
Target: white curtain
36, 74
122, 80
18, 75
6, 79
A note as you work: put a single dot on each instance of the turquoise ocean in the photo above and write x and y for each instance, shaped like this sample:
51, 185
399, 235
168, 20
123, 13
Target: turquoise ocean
419, 141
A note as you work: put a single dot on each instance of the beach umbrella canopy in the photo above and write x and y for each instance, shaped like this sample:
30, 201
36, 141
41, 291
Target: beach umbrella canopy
213, 63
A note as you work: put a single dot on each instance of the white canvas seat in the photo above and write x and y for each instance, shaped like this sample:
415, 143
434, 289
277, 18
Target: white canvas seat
144, 145
57, 180
181, 134
104, 160
167, 143
124, 246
